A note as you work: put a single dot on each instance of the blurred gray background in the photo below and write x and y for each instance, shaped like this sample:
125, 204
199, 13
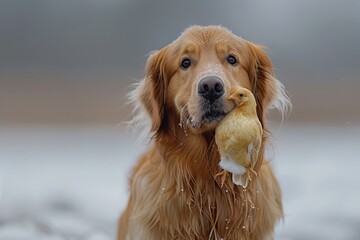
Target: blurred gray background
65, 69
71, 61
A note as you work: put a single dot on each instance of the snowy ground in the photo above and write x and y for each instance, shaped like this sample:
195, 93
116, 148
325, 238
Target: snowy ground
70, 182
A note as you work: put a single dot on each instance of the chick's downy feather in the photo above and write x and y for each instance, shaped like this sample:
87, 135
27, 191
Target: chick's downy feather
239, 136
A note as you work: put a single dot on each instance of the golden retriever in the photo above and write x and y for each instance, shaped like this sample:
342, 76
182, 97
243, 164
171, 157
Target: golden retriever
174, 193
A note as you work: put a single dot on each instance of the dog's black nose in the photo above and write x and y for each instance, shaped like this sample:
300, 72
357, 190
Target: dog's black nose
211, 88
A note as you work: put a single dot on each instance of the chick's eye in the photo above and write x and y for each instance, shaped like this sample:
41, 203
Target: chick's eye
231, 59
185, 63
241, 95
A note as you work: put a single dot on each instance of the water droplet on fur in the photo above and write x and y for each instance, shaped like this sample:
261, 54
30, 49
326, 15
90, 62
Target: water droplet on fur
226, 228
163, 189
185, 132
244, 190
182, 189
184, 129
253, 207
257, 191
226, 220
243, 226
226, 190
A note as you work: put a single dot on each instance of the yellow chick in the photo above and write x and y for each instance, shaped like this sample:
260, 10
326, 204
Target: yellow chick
238, 137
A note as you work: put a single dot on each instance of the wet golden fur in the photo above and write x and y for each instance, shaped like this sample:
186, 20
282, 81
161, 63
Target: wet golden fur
173, 191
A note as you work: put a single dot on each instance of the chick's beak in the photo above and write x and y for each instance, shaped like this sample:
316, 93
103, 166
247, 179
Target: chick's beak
232, 97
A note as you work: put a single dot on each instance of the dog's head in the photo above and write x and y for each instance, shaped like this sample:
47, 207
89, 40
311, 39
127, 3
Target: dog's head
189, 80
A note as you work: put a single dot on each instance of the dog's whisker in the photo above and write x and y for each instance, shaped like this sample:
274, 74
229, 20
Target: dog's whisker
184, 117
182, 112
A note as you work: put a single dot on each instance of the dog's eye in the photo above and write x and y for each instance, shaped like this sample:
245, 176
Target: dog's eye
185, 63
231, 59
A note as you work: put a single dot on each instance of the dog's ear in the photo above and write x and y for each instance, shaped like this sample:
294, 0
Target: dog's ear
153, 93
268, 91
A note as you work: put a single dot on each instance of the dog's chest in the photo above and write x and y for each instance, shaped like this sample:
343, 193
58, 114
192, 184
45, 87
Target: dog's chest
218, 214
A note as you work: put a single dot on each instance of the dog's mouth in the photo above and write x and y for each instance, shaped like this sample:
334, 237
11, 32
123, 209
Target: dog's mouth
207, 118
212, 116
